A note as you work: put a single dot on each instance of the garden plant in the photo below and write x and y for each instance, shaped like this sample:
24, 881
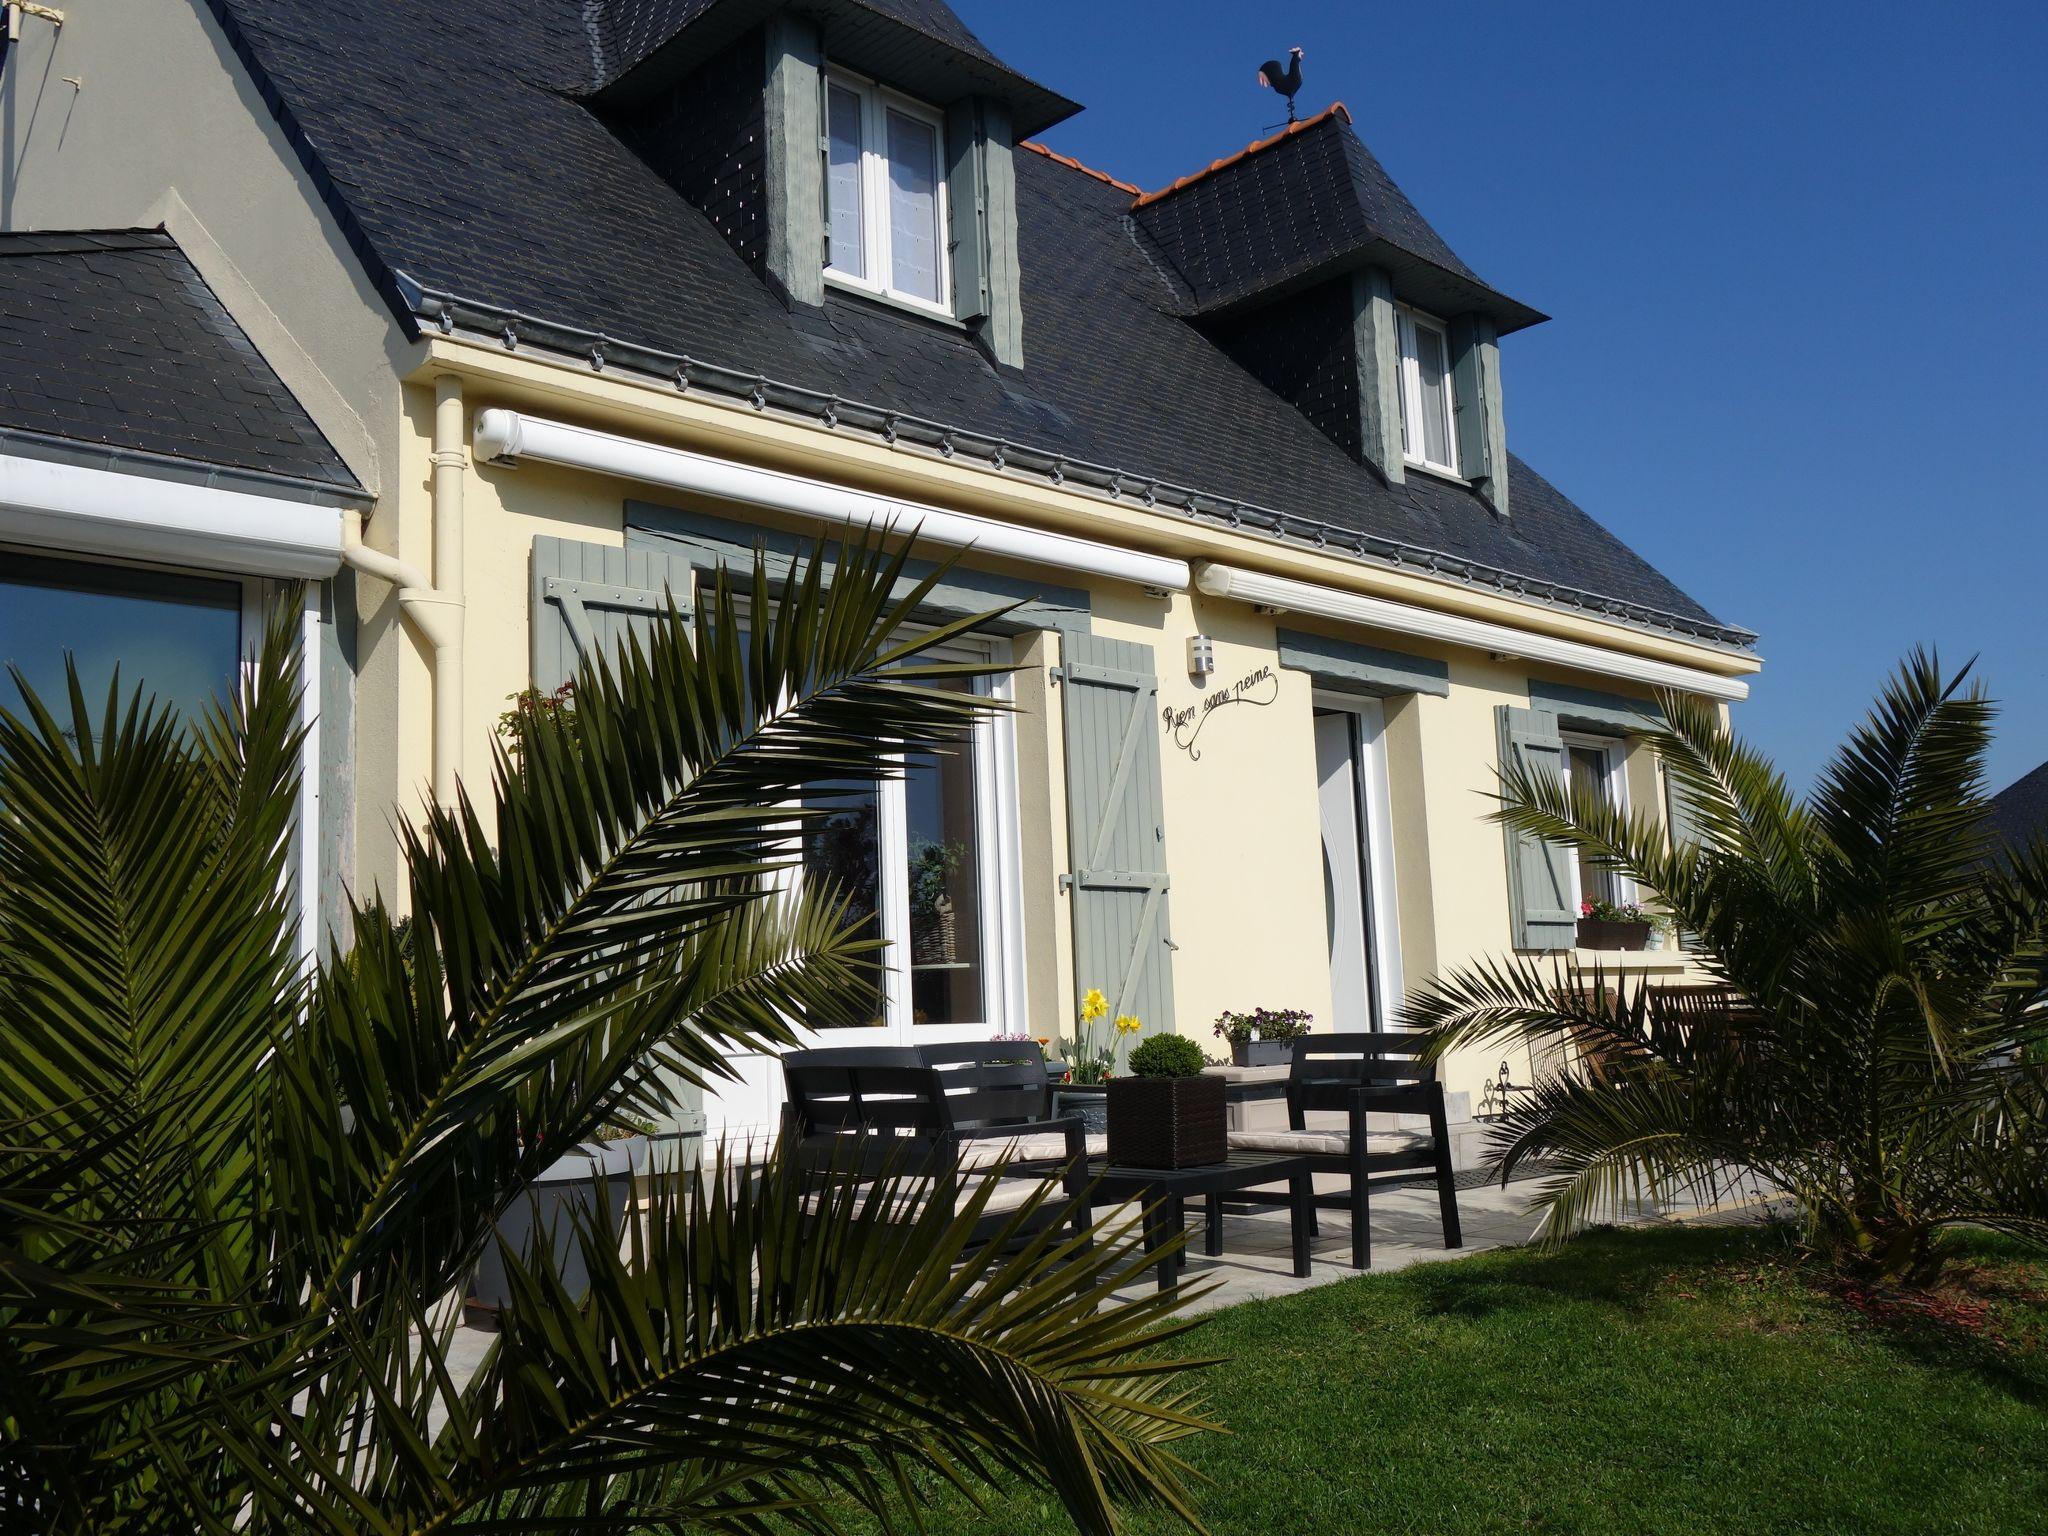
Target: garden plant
1875, 1052
239, 1195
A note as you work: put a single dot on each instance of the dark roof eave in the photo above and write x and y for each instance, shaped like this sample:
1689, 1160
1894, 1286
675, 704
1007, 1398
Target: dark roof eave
21, 443
1416, 280
451, 313
1033, 107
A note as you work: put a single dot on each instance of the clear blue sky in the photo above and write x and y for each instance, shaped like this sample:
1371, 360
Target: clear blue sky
1795, 255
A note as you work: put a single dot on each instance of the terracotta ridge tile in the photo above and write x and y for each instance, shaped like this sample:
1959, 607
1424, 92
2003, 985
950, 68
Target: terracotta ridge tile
1335, 108
1072, 164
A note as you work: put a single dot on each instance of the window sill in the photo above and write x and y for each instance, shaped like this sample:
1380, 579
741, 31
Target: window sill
860, 293
1448, 476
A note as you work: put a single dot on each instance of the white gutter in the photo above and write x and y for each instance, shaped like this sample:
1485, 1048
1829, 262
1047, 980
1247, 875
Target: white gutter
1455, 629
509, 436
138, 517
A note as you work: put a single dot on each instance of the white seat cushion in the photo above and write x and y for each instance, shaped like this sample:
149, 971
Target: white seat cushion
1039, 1146
1332, 1143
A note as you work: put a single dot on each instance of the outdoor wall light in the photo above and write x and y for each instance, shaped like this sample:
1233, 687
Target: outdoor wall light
1201, 655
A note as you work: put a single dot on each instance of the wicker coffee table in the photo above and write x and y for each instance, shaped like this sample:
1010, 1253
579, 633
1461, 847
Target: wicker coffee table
1167, 1190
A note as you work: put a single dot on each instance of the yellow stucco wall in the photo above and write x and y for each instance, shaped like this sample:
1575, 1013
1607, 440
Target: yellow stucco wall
1243, 840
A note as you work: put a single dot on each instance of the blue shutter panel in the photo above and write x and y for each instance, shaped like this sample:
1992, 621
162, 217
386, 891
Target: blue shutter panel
1539, 872
588, 599
1116, 827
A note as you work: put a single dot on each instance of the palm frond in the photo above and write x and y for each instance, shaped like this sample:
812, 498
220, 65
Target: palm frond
770, 1338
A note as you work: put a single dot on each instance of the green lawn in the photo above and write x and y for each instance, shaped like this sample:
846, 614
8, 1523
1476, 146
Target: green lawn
1648, 1381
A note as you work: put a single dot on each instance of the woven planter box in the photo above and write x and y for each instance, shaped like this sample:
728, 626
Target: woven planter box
1167, 1122
1595, 933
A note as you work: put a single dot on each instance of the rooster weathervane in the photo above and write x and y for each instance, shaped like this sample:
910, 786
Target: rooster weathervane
1286, 81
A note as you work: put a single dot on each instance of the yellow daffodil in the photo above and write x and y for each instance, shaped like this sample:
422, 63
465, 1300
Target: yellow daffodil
1093, 1005
1126, 1024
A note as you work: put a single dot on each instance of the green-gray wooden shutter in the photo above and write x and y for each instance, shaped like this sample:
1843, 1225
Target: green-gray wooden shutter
1681, 819
1116, 827
1539, 872
588, 598
967, 207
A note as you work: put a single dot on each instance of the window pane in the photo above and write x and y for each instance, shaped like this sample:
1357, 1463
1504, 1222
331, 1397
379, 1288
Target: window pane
843, 848
913, 207
946, 981
843, 185
179, 637
1587, 770
1436, 396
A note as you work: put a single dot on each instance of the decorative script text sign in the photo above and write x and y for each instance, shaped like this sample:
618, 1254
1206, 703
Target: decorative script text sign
1184, 725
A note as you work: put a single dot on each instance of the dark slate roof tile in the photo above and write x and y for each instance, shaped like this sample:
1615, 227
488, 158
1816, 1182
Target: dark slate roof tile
112, 338
483, 179
2019, 812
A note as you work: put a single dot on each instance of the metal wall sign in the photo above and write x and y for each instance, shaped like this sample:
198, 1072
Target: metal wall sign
1260, 687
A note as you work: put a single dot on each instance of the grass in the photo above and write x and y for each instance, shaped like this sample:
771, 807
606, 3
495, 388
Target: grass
1634, 1382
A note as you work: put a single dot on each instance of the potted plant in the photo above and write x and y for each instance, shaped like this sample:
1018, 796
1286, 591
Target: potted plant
1168, 1113
1607, 925
1093, 1057
1263, 1037
934, 934
543, 1212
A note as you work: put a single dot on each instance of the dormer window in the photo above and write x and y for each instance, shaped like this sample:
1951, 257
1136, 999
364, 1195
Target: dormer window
1427, 408
885, 195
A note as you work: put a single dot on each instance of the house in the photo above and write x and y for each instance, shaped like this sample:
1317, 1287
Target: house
2019, 812
590, 298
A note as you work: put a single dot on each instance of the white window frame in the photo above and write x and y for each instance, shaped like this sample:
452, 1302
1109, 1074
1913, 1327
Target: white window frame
1614, 751
876, 102
1412, 439
257, 593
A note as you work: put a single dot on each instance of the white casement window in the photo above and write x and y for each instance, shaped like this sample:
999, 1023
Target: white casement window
1428, 408
929, 859
1596, 765
885, 193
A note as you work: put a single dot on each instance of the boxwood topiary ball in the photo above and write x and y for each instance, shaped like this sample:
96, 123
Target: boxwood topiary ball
1167, 1056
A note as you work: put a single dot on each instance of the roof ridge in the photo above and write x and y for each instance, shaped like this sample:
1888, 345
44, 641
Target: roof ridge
1333, 109
1072, 164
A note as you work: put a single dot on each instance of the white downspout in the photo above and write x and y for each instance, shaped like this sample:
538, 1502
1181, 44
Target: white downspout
434, 612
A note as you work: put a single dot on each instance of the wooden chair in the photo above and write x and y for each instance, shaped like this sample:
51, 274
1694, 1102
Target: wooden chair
862, 1111
1358, 1076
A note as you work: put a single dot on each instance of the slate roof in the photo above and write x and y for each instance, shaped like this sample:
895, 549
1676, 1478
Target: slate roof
2019, 812
112, 339
1283, 212
481, 193
921, 46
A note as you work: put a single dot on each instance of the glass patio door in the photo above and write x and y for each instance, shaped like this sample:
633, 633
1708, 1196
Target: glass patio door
1354, 813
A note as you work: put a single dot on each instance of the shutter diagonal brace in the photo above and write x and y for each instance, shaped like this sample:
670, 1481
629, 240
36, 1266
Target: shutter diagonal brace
573, 596
1140, 952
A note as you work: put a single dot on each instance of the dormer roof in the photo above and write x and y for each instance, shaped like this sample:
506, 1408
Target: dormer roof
111, 343
1301, 206
919, 46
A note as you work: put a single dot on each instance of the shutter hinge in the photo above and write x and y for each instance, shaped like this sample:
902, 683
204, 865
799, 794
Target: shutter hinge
1056, 675
1066, 884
